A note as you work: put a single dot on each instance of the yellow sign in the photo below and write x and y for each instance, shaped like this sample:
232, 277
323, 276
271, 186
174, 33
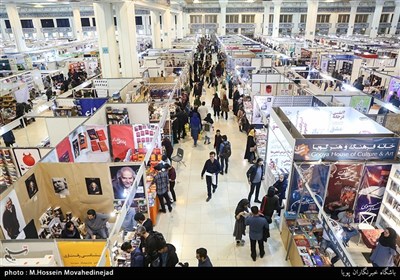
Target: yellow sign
82, 253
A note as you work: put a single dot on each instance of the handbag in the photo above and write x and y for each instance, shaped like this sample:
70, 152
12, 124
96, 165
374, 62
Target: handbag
253, 149
266, 234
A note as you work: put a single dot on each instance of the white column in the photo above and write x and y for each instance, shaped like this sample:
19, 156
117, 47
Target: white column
185, 27
240, 21
16, 27
38, 26
397, 68
222, 17
311, 23
395, 19
333, 19
179, 30
277, 14
155, 29
78, 32
105, 28
145, 22
352, 19
267, 8
126, 24
376, 18
167, 29
259, 24
296, 22
4, 34
173, 28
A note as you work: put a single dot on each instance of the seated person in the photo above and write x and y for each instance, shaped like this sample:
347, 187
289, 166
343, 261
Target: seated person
70, 231
96, 225
345, 220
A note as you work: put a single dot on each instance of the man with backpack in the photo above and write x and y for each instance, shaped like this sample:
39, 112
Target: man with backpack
224, 154
150, 244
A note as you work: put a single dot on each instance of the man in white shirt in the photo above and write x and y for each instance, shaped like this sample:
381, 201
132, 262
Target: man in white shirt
202, 110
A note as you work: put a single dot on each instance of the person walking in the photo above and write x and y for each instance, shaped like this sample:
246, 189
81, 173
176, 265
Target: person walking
241, 212
211, 169
225, 152
217, 142
224, 106
195, 127
208, 128
216, 105
8, 138
385, 250
162, 181
256, 225
255, 174
250, 145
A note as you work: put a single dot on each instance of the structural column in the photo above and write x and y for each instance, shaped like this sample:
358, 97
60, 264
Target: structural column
267, 7
78, 32
185, 26
311, 22
126, 24
4, 34
16, 27
38, 26
395, 20
376, 18
352, 19
104, 16
167, 29
146, 24
222, 17
155, 29
258, 22
179, 30
296, 22
277, 14
333, 20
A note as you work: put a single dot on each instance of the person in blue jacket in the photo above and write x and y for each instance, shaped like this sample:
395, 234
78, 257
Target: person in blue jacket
385, 250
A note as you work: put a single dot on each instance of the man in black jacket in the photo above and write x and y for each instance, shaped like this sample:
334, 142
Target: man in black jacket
212, 167
167, 255
255, 175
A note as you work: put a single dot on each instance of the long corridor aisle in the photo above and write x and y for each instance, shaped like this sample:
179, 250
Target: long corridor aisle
195, 223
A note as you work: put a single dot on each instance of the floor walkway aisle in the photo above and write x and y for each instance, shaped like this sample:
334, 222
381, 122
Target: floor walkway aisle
196, 223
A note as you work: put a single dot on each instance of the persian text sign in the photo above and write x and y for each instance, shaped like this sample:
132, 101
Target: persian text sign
346, 149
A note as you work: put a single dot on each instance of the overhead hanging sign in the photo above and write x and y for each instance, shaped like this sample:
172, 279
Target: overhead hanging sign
346, 149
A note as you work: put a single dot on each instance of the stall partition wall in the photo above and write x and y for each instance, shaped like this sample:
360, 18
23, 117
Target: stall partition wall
106, 87
59, 128
271, 84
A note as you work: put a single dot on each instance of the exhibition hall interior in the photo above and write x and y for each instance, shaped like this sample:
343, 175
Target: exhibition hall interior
200, 133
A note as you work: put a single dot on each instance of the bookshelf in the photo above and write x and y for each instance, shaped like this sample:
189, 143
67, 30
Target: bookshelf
117, 116
8, 171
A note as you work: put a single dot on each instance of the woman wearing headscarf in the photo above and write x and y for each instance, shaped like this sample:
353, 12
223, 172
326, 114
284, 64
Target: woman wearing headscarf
250, 145
385, 250
269, 204
208, 128
195, 127
242, 210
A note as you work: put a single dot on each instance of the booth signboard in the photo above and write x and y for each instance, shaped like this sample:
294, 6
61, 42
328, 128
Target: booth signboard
81, 253
343, 185
312, 149
90, 105
361, 103
372, 189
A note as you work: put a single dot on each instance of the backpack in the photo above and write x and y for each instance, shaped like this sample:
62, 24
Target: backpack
207, 127
226, 151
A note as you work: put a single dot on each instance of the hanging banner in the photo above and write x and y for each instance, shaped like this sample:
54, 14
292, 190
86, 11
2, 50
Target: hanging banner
82, 253
90, 105
343, 184
372, 188
346, 149
361, 103
64, 151
121, 138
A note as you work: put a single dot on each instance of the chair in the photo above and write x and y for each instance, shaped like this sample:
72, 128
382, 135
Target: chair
178, 158
365, 222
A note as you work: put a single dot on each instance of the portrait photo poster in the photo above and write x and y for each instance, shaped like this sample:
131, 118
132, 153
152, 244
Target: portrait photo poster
93, 186
20, 218
26, 158
31, 186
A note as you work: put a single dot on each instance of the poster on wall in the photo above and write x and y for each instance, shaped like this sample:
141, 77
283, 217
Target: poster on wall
316, 175
296, 189
86, 254
90, 105
372, 189
344, 180
361, 103
26, 158
60, 186
31, 186
263, 106
64, 151
279, 155
122, 178
121, 138
93, 186
143, 135
98, 138
12, 220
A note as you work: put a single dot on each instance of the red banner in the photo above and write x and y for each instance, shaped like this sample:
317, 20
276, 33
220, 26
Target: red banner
343, 184
121, 138
64, 151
